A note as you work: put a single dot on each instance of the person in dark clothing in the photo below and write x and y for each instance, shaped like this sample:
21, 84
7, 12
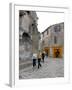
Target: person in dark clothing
34, 59
39, 60
39, 64
43, 55
34, 62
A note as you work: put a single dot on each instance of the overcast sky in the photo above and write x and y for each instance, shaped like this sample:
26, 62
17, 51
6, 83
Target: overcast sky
47, 18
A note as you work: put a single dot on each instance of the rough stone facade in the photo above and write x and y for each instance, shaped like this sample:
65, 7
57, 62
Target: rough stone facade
28, 35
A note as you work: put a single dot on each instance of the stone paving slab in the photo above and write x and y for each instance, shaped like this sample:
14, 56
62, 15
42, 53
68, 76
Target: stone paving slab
51, 68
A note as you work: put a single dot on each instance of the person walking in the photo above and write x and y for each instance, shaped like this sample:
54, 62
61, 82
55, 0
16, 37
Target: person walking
34, 58
43, 55
39, 60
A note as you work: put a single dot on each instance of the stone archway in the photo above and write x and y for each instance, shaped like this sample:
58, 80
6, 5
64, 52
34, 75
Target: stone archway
27, 41
25, 49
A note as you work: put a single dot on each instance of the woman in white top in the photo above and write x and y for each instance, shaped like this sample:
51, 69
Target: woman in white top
34, 58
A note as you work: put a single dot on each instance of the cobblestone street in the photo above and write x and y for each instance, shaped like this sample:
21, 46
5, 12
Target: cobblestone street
51, 68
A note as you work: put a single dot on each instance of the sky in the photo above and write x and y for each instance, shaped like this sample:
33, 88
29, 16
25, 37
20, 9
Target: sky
45, 19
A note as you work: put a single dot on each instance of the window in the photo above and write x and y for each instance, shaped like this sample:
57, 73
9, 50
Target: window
43, 34
43, 42
55, 39
57, 28
47, 32
28, 12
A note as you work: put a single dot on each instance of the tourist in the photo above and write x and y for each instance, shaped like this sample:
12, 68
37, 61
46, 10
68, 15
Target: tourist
43, 55
39, 59
34, 58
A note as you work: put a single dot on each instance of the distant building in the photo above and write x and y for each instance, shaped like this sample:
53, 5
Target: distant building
52, 40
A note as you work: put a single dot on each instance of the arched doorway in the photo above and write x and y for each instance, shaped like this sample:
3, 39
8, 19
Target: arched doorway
26, 37
57, 52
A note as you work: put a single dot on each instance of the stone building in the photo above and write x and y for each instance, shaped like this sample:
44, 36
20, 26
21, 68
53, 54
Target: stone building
52, 40
28, 34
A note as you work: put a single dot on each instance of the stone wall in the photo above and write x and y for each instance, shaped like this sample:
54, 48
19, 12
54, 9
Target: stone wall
28, 35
